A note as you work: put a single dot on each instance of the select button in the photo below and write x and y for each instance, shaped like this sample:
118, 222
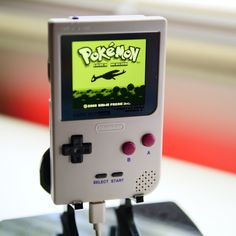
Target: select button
117, 174
101, 176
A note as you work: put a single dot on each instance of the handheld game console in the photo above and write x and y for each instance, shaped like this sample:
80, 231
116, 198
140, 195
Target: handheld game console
106, 106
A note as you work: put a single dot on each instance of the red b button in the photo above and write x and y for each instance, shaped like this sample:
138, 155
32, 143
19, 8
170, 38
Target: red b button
128, 148
148, 140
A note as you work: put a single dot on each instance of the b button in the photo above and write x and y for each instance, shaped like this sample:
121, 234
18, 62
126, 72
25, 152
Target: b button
128, 148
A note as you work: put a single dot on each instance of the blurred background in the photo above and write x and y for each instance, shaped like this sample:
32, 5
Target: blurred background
200, 96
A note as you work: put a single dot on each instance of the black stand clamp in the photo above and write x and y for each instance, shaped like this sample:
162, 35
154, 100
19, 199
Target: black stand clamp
68, 222
125, 221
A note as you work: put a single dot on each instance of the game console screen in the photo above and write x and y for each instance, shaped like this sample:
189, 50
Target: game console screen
108, 73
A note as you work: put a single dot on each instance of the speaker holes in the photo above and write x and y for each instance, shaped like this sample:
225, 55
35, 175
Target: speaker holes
145, 181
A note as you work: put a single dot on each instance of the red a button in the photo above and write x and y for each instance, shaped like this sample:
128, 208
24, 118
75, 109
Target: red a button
148, 140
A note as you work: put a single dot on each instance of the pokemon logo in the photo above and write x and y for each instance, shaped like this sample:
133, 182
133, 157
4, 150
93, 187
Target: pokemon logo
131, 53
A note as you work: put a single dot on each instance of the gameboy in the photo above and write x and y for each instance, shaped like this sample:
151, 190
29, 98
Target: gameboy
106, 108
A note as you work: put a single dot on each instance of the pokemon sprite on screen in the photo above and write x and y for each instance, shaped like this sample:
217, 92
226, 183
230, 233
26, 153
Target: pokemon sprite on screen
108, 73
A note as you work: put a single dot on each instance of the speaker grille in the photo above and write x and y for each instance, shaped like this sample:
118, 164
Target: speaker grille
145, 181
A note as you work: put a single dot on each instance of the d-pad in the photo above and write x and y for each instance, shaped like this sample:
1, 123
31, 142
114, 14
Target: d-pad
76, 149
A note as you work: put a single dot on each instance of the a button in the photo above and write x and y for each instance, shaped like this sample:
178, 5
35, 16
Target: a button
101, 176
117, 174
148, 140
76, 149
128, 148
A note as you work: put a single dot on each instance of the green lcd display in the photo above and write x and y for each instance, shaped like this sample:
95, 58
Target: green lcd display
108, 73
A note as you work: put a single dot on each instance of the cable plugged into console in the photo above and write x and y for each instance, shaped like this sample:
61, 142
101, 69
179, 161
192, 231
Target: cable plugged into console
97, 215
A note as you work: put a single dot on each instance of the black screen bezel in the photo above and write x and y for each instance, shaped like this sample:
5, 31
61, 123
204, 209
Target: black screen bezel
151, 78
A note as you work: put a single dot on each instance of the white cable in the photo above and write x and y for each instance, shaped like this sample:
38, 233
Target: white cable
97, 215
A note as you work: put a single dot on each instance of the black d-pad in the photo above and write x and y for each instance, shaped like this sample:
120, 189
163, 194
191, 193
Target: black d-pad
76, 149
